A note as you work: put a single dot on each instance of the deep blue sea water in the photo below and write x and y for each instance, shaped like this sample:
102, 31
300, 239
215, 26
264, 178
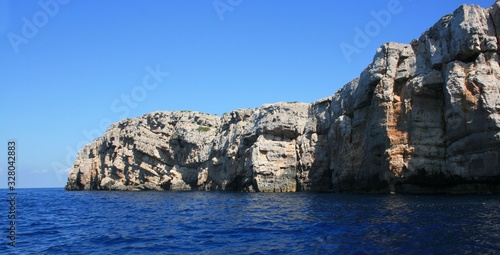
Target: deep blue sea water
54, 221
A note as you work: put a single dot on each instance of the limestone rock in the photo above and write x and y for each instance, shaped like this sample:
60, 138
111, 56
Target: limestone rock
422, 117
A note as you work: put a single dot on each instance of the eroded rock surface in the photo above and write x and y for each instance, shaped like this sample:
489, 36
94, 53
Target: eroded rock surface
423, 117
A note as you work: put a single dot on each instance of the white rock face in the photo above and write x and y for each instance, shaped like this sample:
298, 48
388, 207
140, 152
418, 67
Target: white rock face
423, 117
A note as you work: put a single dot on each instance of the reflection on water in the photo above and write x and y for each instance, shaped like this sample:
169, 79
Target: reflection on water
60, 222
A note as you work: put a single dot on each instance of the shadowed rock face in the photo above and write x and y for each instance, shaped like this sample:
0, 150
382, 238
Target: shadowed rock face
423, 117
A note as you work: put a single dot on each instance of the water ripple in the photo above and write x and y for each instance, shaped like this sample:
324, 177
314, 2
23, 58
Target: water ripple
53, 221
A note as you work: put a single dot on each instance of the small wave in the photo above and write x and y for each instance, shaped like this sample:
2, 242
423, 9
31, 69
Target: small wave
229, 223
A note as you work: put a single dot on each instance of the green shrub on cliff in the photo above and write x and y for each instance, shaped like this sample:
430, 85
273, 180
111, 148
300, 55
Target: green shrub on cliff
203, 128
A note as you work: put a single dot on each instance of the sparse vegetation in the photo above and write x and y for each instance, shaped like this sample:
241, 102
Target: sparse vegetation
203, 128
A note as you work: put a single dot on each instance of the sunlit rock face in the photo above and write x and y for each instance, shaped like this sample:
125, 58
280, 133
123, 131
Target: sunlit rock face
421, 118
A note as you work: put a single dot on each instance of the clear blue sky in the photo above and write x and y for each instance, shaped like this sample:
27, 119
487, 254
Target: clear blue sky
69, 69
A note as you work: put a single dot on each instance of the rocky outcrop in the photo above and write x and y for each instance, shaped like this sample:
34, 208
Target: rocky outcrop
423, 117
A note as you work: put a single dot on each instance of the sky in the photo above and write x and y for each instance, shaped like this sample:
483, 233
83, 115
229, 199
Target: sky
70, 68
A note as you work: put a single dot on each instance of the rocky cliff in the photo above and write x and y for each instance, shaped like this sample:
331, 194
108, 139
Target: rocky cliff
423, 117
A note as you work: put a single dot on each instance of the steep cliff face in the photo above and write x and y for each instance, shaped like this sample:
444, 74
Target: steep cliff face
423, 117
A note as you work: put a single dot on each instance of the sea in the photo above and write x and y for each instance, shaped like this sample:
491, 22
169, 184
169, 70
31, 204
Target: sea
55, 221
